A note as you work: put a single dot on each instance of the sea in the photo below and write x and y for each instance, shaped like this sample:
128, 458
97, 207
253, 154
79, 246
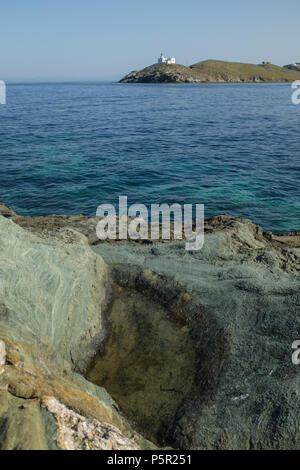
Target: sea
66, 148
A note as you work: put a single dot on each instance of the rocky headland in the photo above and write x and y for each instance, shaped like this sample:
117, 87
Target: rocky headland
128, 345
214, 71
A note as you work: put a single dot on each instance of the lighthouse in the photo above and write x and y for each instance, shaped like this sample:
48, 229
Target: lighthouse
165, 60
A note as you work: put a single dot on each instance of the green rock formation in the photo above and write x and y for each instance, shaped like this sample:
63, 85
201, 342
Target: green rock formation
103, 343
238, 299
52, 297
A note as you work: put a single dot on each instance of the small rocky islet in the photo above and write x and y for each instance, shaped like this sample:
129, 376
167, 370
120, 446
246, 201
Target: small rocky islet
214, 71
132, 345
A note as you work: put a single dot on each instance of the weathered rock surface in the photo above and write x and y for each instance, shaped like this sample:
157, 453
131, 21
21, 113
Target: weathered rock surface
52, 297
193, 347
238, 302
6, 211
69, 227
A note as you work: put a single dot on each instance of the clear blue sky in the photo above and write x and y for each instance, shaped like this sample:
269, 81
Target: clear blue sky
104, 39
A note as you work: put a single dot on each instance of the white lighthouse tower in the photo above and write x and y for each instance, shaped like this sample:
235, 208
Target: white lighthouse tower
162, 59
165, 60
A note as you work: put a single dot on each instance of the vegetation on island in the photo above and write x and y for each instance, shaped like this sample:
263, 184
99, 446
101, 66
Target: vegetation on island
213, 71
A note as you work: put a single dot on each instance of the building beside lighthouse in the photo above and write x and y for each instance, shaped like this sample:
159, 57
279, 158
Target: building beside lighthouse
166, 60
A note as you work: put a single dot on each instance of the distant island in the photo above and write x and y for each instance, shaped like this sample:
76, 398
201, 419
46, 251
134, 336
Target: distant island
213, 71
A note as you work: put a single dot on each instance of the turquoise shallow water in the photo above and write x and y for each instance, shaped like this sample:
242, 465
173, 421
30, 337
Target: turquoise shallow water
67, 148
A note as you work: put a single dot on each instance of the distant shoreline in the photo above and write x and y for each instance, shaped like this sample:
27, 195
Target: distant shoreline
87, 223
213, 71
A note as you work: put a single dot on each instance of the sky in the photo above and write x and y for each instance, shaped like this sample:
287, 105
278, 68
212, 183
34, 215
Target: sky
63, 40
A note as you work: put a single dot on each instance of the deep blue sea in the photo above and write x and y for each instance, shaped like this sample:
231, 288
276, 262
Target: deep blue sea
67, 148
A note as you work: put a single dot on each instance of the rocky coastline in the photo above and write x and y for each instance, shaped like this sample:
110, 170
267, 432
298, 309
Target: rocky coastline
213, 71
132, 345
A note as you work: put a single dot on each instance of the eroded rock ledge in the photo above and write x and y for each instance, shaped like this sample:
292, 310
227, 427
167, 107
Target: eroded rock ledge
158, 346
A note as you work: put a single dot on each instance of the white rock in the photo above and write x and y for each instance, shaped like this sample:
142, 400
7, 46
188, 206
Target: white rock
79, 433
2, 353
